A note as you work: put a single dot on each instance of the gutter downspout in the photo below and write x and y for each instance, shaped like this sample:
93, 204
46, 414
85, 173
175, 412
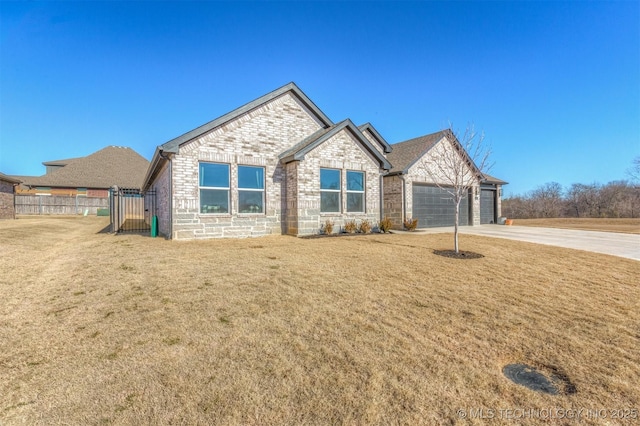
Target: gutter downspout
381, 198
166, 157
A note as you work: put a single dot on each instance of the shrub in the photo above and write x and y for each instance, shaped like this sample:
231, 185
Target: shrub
365, 226
385, 225
327, 228
410, 224
350, 227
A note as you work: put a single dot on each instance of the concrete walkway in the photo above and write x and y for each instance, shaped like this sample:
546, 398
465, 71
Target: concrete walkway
613, 243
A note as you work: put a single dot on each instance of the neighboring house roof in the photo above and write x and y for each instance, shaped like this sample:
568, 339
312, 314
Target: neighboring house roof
297, 152
385, 145
60, 162
172, 145
113, 165
406, 154
493, 180
9, 179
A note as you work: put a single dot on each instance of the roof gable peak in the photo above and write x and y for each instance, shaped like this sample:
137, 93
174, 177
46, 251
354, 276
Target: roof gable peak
377, 136
174, 144
298, 152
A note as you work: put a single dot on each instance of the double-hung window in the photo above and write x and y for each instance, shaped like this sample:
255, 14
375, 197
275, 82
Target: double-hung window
250, 189
214, 188
355, 191
329, 191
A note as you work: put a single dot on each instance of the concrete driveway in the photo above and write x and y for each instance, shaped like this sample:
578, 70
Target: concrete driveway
616, 244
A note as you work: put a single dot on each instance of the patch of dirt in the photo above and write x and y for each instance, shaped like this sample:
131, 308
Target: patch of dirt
459, 255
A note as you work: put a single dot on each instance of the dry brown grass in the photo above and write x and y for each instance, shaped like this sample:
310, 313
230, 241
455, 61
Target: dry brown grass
626, 226
102, 329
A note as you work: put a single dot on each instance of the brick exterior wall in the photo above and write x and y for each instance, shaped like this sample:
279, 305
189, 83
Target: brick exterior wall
499, 201
341, 152
163, 201
254, 139
292, 191
7, 208
392, 188
367, 134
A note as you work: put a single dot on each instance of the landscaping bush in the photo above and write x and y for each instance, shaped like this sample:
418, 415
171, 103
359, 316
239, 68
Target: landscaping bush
410, 224
385, 225
365, 226
350, 227
327, 228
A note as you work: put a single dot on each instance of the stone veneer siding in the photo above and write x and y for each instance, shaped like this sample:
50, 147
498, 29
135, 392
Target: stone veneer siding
163, 200
498, 201
7, 201
341, 152
255, 139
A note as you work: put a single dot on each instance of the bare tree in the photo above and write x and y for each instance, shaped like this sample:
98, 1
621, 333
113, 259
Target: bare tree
548, 199
458, 167
634, 171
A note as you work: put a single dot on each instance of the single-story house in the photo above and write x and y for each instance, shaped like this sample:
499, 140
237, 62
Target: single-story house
279, 165
411, 192
275, 165
7, 196
90, 176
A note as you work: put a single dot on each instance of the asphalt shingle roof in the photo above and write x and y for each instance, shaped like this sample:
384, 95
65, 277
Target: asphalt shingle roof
10, 179
406, 153
493, 180
110, 166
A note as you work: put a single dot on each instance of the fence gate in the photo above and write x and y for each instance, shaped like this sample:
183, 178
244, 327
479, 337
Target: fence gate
131, 210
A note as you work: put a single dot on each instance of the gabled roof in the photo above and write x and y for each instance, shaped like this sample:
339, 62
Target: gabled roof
9, 179
493, 180
298, 151
172, 145
110, 166
383, 143
406, 154
59, 162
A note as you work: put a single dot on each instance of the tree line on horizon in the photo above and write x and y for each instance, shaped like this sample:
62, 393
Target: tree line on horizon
616, 199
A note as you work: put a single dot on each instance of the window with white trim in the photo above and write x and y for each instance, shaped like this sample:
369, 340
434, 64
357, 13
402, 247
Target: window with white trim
329, 191
355, 191
250, 189
214, 188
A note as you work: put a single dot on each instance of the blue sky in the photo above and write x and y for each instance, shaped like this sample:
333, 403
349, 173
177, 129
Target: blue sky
554, 85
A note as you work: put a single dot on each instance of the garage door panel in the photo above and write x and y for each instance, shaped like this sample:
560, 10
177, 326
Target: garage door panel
434, 207
487, 206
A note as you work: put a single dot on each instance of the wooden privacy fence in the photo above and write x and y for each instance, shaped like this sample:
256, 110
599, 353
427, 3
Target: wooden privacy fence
131, 210
59, 204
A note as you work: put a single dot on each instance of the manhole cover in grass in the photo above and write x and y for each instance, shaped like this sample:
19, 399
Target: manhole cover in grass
529, 377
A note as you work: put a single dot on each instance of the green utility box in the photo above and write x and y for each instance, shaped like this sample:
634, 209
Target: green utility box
154, 226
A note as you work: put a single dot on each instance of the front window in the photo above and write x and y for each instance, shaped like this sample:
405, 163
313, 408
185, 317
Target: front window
355, 192
214, 188
250, 189
329, 191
